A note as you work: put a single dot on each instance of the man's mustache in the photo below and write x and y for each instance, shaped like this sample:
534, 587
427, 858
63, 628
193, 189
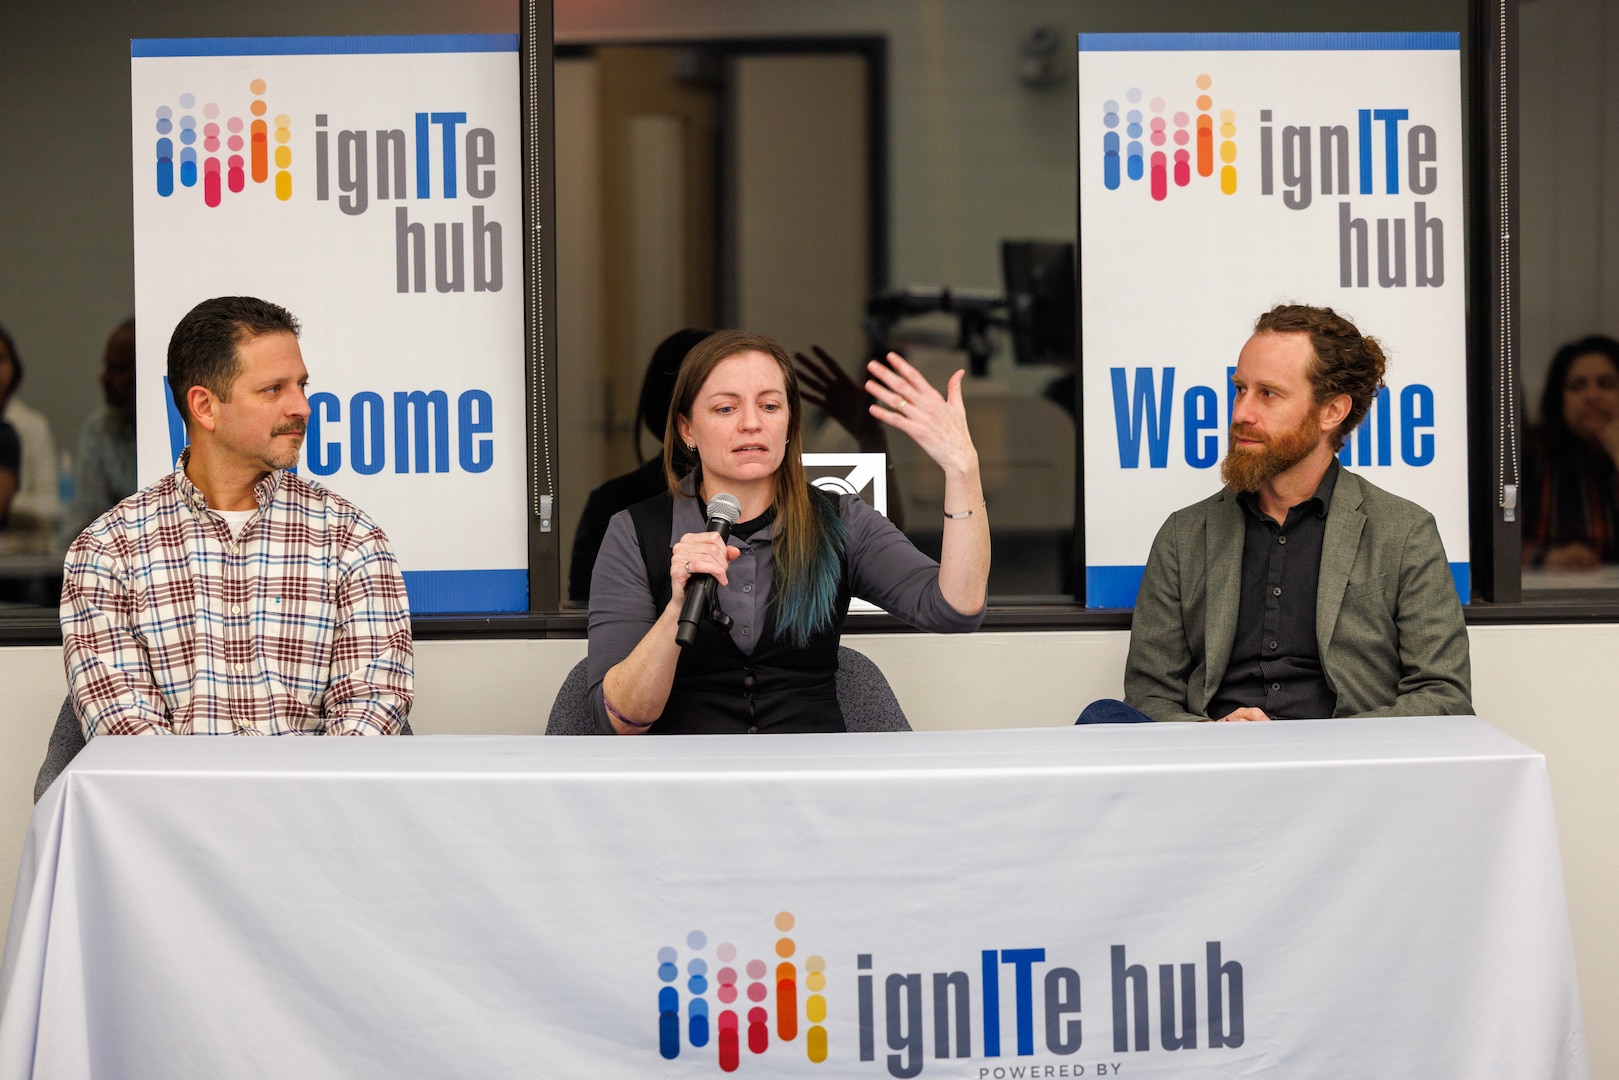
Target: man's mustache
295, 427
1243, 431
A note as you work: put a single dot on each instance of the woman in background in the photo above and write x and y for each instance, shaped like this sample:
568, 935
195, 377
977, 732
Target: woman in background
794, 558
1570, 479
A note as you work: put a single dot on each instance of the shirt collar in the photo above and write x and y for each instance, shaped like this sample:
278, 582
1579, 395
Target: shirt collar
1322, 497
263, 491
691, 508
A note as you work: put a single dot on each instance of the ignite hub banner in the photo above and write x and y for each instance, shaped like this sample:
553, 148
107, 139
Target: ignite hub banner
1221, 174
372, 186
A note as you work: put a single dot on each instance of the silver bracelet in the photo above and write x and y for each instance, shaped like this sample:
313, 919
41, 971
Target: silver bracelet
964, 514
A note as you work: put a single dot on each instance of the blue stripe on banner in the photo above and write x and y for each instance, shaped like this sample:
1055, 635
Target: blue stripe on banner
1117, 586
1463, 573
442, 592
1288, 42
1112, 586
323, 46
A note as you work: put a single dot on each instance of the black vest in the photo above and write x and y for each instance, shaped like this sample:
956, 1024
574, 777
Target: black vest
719, 690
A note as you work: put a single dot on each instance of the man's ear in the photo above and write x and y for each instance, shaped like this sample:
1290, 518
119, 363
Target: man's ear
200, 403
1334, 411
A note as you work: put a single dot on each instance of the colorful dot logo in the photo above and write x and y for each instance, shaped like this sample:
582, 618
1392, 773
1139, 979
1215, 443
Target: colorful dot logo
211, 155
1175, 140
746, 995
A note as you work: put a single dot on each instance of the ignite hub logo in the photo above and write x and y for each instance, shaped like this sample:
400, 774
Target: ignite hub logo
439, 155
1193, 1009
727, 1030
1156, 167
232, 173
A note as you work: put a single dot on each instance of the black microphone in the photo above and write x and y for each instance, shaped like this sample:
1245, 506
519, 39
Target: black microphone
723, 512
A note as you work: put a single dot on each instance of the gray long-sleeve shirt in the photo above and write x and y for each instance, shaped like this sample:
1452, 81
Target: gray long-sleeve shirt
883, 566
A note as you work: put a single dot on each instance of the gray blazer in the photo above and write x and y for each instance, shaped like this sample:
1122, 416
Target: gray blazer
1387, 620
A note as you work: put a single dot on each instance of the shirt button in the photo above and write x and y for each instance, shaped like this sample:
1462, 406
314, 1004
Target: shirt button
1281, 539
236, 609
746, 630
1275, 686
241, 668
753, 731
1276, 591
1273, 644
747, 680
747, 588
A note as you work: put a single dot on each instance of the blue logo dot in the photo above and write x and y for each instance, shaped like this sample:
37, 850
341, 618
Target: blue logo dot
698, 984
697, 939
698, 966
1111, 120
164, 127
668, 972
667, 955
1132, 95
188, 136
188, 100
164, 112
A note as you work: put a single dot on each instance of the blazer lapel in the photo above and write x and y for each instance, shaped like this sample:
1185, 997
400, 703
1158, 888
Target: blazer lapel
1344, 525
1224, 570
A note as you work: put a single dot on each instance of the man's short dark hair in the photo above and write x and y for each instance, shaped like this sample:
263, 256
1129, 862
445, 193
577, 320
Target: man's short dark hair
202, 350
1346, 361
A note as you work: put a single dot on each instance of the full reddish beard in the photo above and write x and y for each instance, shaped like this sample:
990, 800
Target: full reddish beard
1248, 470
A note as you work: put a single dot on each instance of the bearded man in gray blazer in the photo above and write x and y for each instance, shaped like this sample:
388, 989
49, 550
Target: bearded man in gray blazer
1299, 589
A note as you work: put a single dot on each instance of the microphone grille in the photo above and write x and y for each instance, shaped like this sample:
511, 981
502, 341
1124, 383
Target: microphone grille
726, 508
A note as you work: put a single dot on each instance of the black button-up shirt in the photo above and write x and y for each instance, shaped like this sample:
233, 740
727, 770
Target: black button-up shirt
1275, 660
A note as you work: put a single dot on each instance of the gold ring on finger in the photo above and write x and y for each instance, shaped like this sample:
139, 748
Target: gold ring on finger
900, 408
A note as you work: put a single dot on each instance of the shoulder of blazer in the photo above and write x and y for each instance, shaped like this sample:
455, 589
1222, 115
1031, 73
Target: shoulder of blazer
1379, 506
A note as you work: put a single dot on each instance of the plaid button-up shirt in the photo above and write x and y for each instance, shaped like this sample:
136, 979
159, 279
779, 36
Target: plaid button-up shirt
298, 627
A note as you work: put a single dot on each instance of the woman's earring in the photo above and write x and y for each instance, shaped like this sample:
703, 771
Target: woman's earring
691, 448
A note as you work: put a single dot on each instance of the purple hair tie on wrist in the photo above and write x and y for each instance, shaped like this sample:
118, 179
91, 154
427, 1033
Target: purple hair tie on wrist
621, 718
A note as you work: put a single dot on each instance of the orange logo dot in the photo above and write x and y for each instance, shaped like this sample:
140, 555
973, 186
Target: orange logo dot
784, 921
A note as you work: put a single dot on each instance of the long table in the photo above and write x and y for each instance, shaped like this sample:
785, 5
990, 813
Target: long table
1312, 899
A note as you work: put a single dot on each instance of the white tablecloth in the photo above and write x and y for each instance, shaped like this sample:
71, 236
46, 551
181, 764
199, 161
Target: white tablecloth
1320, 899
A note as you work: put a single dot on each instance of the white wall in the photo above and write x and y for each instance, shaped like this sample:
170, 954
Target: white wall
1545, 685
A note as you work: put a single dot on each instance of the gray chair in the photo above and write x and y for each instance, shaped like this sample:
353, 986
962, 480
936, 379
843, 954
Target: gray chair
867, 701
67, 739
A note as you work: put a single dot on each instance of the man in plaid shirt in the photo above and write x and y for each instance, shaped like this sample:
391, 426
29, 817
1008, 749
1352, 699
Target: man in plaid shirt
233, 596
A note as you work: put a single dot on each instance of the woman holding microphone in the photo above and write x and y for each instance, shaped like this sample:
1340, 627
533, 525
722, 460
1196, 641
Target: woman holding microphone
795, 555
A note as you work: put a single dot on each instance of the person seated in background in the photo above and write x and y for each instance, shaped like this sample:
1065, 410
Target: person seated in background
10, 444
235, 596
37, 503
104, 470
623, 492
1299, 589
794, 558
1570, 483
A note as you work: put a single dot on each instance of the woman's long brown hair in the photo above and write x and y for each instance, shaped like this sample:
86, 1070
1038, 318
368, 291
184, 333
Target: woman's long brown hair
809, 542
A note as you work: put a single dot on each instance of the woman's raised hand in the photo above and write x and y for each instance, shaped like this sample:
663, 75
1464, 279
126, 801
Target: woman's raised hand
938, 423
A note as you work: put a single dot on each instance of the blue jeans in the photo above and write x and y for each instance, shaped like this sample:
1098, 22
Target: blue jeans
1112, 711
